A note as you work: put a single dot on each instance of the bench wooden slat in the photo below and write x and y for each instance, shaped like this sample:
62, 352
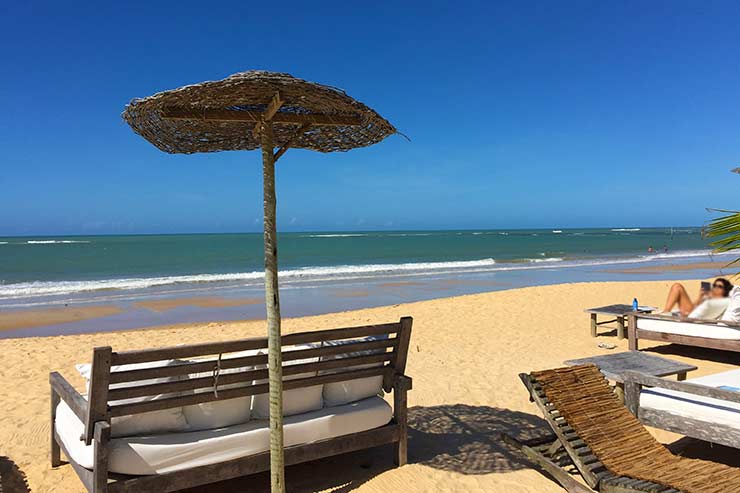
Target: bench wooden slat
259, 359
241, 377
170, 402
195, 350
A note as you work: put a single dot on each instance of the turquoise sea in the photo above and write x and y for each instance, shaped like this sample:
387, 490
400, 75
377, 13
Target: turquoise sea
35, 266
317, 268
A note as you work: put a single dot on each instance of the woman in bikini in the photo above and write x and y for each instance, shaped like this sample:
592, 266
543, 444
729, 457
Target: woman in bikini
678, 296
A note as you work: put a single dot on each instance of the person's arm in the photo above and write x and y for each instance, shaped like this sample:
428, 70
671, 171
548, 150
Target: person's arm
701, 298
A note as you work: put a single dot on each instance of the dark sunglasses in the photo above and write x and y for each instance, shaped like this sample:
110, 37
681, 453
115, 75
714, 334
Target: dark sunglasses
719, 286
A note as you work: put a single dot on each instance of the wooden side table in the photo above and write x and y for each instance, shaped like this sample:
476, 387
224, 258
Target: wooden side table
614, 365
619, 312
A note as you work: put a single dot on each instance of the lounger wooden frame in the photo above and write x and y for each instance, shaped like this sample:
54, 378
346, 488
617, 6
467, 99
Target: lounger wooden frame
567, 447
666, 420
389, 351
634, 334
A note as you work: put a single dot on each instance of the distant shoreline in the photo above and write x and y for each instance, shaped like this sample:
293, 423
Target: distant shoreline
166, 309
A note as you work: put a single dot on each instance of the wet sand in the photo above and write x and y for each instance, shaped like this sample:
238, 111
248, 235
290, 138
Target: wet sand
721, 268
167, 304
25, 319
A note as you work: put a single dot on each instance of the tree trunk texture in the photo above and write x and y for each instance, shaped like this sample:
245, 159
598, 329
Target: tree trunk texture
272, 303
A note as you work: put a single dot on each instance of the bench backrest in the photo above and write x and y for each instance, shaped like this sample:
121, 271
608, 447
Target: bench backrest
378, 350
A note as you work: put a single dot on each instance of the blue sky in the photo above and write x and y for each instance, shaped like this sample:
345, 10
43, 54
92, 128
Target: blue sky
520, 114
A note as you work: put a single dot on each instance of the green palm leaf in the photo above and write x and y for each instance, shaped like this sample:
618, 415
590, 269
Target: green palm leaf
725, 230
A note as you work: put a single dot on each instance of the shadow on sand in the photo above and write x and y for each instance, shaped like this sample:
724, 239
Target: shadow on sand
12, 479
459, 438
698, 449
716, 355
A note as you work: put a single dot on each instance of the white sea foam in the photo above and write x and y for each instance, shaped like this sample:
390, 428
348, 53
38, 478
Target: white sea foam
625, 229
557, 231
333, 235
51, 288
323, 273
53, 242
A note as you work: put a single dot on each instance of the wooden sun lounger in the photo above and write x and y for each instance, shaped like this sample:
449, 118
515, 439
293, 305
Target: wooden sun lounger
569, 447
635, 334
666, 420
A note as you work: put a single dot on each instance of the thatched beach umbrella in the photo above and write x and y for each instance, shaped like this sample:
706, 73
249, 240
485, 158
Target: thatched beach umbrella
268, 111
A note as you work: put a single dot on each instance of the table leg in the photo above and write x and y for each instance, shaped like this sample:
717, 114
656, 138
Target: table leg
593, 325
620, 328
619, 391
681, 376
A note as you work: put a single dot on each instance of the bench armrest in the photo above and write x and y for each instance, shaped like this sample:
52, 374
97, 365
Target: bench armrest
634, 381
76, 402
403, 382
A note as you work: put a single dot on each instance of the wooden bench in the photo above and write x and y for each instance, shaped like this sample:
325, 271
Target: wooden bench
382, 352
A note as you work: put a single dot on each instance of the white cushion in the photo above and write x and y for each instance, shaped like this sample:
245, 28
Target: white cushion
339, 393
295, 401
732, 314
706, 409
218, 414
710, 309
159, 454
709, 330
150, 422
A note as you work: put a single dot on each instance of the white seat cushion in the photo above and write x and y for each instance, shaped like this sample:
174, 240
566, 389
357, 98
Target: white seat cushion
162, 421
218, 414
697, 407
171, 452
295, 401
339, 393
712, 331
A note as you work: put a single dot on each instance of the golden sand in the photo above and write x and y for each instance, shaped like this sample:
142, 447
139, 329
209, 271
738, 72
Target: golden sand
464, 358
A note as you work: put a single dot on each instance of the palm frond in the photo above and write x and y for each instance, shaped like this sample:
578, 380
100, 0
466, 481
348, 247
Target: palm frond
725, 230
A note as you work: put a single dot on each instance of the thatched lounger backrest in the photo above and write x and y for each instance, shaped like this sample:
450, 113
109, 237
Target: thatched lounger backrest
583, 398
367, 351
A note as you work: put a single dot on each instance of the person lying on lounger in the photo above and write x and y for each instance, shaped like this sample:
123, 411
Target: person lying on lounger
678, 296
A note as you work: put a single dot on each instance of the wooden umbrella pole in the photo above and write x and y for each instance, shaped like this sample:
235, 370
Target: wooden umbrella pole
272, 303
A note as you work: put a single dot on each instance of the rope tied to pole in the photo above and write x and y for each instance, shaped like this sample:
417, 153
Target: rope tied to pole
216, 373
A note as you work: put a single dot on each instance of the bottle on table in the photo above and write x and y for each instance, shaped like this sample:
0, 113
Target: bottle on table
634, 305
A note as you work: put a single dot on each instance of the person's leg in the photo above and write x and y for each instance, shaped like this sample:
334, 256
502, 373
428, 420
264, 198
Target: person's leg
678, 296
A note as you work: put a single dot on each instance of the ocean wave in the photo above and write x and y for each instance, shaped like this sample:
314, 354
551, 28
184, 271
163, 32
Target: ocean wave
681, 254
557, 231
330, 273
53, 242
334, 235
625, 229
51, 288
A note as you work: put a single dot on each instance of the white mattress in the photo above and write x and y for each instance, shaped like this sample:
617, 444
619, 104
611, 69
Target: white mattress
694, 406
689, 329
176, 451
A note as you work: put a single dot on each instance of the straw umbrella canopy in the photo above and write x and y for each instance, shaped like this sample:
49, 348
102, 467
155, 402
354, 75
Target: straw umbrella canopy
272, 112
